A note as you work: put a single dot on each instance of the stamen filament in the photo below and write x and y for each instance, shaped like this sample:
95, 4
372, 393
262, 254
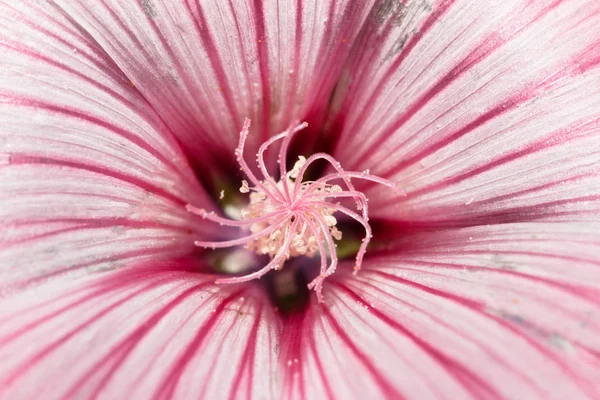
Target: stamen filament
317, 283
359, 175
323, 255
369, 234
243, 240
271, 265
239, 152
312, 159
211, 216
354, 195
283, 157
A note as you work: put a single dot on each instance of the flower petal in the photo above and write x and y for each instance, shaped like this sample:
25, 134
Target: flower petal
149, 331
207, 65
89, 175
482, 114
502, 311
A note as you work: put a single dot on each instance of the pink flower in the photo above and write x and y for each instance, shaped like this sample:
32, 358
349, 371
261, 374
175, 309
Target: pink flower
482, 282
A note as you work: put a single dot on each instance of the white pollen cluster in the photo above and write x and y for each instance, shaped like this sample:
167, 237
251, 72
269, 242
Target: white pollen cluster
304, 242
292, 217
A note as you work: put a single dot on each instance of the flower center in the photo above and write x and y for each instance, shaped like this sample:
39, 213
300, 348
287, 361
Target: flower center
292, 217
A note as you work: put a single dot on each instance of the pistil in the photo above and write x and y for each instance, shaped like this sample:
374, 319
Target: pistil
292, 217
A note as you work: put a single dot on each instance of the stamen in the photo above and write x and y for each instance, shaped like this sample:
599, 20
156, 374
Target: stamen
332, 161
274, 264
243, 240
323, 260
317, 283
364, 222
286, 223
230, 222
244, 188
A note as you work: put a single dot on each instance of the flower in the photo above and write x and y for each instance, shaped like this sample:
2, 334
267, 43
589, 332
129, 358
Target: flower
119, 117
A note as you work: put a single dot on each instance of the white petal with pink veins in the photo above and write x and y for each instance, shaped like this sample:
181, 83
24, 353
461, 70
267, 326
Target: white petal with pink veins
507, 311
150, 331
207, 65
480, 113
91, 174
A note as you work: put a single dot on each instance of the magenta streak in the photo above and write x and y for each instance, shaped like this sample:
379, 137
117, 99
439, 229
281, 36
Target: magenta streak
110, 73
538, 211
113, 73
131, 274
219, 343
81, 115
479, 308
126, 346
489, 271
247, 361
142, 49
497, 111
292, 343
263, 56
387, 387
39, 356
24, 159
368, 38
88, 223
296, 62
516, 214
509, 239
113, 257
167, 389
121, 282
431, 20
455, 106
326, 76
213, 57
468, 379
111, 69
243, 51
299, 367
173, 336
317, 358
537, 188
488, 46
573, 289
555, 139
325, 341
410, 45
327, 36
443, 323
439, 55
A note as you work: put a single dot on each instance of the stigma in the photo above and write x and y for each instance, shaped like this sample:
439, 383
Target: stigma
291, 217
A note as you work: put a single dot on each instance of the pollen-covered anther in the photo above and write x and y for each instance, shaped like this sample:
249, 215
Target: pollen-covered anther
290, 217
